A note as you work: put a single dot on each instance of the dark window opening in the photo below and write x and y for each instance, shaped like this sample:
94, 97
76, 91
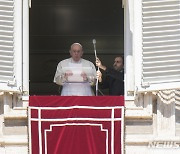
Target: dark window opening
56, 24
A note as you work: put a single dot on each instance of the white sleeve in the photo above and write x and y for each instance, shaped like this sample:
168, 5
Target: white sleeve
93, 69
93, 77
58, 75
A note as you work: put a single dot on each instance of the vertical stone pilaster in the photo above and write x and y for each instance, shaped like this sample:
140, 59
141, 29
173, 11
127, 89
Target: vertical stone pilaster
7, 99
1, 115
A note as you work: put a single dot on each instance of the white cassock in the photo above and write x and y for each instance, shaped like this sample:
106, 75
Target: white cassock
75, 86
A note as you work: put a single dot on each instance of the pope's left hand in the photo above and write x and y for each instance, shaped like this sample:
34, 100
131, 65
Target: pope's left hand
84, 75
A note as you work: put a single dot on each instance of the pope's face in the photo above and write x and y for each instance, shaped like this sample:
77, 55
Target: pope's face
76, 52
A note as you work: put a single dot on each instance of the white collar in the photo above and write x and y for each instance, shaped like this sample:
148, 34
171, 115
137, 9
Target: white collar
77, 62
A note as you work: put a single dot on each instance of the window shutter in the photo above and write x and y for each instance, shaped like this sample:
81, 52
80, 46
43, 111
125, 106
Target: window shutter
9, 61
160, 44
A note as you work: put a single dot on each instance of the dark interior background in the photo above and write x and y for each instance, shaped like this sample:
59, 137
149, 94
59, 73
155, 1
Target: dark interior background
56, 24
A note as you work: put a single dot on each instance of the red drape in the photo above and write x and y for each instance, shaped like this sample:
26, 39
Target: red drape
76, 125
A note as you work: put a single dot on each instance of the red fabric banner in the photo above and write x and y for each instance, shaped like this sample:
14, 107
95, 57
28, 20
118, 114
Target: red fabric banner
76, 125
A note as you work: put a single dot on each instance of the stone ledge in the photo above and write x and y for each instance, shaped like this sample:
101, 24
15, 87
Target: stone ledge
137, 113
15, 130
20, 108
14, 140
16, 114
145, 139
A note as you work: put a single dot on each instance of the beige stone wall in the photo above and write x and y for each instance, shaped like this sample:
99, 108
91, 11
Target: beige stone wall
152, 124
13, 124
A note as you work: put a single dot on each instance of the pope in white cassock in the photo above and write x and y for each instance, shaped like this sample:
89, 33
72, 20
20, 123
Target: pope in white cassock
75, 74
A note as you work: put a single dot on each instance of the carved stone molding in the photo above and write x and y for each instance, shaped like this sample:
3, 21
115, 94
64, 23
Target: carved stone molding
170, 96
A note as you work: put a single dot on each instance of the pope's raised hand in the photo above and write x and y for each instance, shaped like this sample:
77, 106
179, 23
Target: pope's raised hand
67, 74
84, 75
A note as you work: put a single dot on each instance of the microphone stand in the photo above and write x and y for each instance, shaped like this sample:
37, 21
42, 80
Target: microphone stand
97, 80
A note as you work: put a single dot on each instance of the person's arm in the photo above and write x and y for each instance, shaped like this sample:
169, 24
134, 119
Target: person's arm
110, 72
119, 75
103, 82
99, 64
58, 78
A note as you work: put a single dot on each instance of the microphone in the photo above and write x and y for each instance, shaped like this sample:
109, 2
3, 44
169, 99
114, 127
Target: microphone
94, 42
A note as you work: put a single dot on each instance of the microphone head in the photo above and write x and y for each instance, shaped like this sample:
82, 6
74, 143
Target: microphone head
94, 41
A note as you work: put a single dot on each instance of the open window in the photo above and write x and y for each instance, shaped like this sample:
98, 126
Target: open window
56, 24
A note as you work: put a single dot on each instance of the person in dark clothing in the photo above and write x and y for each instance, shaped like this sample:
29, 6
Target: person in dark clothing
114, 77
